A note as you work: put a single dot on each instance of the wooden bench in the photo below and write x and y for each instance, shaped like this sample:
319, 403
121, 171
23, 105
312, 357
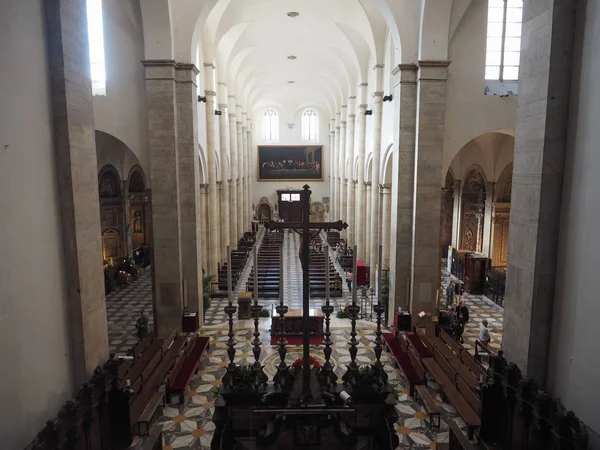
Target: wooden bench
143, 423
403, 361
457, 439
431, 406
154, 441
416, 343
187, 368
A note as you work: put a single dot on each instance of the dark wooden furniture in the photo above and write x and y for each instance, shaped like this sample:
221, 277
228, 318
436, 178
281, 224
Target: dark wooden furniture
402, 321
290, 206
293, 322
431, 406
185, 368
402, 358
475, 268
154, 441
244, 301
190, 322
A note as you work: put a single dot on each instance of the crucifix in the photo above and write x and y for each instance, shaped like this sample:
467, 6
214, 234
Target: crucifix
307, 230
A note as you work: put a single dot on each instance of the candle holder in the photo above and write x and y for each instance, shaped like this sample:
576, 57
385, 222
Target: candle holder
259, 374
378, 366
283, 378
351, 374
231, 342
327, 377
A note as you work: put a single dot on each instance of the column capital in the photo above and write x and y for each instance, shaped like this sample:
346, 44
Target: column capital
210, 93
378, 94
221, 83
405, 73
232, 115
210, 64
363, 106
367, 184
378, 66
222, 105
433, 70
159, 69
351, 115
352, 97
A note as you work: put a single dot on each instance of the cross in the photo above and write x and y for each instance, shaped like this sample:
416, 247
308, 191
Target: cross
307, 230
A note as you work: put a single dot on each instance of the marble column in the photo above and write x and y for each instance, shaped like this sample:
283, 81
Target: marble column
233, 151
374, 238
431, 101
487, 219
342, 165
127, 231
204, 224
241, 174
225, 202
361, 212
368, 223
331, 168
349, 200
189, 188
540, 147
77, 175
386, 217
250, 177
456, 212
405, 109
213, 193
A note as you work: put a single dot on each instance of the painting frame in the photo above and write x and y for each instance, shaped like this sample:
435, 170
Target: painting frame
264, 152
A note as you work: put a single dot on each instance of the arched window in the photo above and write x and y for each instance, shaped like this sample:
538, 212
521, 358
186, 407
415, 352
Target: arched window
271, 125
96, 43
309, 125
505, 18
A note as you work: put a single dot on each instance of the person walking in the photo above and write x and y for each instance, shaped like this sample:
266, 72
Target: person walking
462, 313
450, 295
349, 280
459, 290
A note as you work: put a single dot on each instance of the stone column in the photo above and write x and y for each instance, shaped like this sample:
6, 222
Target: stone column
331, 168
204, 224
161, 99
233, 151
241, 173
361, 211
487, 219
245, 172
77, 174
336, 163
431, 101
127, 231
249, 166
213, 194
386, 210
349, 200
405, 110
368, 223
374, 238
189, 187
342, 165
225, 202
456, 211
540, 146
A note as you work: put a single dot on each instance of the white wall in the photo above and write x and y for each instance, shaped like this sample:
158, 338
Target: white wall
34, 337
470, 113
288, 136
122, 112
574, 366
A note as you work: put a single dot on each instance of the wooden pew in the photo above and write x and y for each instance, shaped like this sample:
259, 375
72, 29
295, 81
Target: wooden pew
183, 371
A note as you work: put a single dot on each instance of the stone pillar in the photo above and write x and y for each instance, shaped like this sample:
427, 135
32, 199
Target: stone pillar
331, 168
127, 231
431, 101
342, 165
189, 188
361, 212
336, 163
349, 200
540, 145
487, 219
77, 174
245, 162
233, 152
374, 238
405, 110
204, 226
241, 173
368, 222
161, 99
386, 210
456, 212
225, 202
249, 166
213, 193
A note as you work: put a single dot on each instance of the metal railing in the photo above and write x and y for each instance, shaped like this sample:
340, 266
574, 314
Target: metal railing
495, 285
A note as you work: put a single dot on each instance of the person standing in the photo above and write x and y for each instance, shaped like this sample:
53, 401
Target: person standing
484, 334
459, 290
349, 280
462, 313
450, 295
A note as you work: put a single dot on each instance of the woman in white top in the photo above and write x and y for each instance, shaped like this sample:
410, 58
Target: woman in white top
484, 333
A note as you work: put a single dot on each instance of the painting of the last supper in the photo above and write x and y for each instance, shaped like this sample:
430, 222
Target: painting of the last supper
290, 163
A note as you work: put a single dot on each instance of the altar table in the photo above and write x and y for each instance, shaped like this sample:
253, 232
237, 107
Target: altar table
293, 322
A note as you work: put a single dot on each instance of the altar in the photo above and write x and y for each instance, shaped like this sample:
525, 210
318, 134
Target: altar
293, 323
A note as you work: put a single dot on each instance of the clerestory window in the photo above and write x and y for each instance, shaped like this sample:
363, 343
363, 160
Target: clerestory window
96, 44
309, 125
503, 49
271, 125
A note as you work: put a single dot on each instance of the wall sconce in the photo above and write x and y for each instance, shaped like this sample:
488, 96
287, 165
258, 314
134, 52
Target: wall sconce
388, 98
201, 99
217, 112
369, 112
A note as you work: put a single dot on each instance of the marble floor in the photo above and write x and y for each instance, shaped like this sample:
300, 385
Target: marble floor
189, 425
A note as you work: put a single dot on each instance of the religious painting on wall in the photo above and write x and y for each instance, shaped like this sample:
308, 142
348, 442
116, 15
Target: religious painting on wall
290, 163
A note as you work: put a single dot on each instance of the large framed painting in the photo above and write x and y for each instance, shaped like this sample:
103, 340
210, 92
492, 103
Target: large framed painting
290, 163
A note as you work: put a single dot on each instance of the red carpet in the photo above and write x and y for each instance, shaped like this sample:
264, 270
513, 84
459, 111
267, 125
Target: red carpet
297, 340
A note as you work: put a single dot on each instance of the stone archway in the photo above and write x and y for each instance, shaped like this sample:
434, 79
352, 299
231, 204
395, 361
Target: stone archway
447, 213
473, 205
264, 210
112, 224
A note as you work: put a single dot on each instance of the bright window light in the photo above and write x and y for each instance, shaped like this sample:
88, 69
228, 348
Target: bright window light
96, 41
309, 125
271, 125
503, 40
